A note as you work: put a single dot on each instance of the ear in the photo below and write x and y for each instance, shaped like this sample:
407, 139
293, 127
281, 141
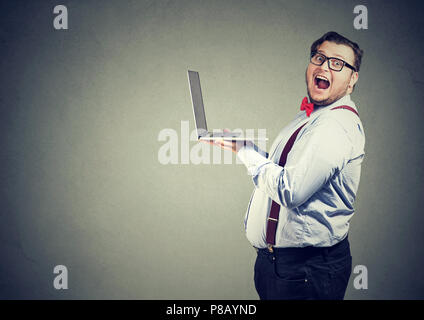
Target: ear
353, 79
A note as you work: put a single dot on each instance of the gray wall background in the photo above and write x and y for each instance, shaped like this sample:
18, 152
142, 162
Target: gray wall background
81, 110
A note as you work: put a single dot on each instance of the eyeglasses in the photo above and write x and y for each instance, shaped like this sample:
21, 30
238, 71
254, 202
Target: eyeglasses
335, 64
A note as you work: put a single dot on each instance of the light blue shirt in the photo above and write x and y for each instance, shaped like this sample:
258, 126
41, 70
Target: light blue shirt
317, 186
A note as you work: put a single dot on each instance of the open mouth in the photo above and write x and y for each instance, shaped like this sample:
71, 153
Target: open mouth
321, 82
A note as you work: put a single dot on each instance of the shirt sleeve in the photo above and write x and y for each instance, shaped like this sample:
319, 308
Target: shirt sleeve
320, 151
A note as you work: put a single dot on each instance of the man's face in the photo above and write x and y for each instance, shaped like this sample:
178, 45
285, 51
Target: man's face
339, 83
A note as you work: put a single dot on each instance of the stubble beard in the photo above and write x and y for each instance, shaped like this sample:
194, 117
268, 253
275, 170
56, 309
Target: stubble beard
327, 101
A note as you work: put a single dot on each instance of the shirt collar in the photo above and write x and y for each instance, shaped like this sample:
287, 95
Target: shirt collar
344, 101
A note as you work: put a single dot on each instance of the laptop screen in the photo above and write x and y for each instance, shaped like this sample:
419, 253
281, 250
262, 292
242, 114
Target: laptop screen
197, 100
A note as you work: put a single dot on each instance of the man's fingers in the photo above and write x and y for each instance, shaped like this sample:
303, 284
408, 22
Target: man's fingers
219, 142
207, 141
213, 142
224, 144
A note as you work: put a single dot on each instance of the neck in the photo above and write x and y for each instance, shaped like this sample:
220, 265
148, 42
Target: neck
326, 103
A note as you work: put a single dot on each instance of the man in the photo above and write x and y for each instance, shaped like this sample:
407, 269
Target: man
298, 216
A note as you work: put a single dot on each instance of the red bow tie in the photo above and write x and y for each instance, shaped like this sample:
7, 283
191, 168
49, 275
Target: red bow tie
309, 107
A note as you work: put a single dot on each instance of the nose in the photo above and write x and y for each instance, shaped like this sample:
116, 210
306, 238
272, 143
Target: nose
324, 66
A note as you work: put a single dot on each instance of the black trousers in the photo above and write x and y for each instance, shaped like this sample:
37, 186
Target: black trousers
309, 273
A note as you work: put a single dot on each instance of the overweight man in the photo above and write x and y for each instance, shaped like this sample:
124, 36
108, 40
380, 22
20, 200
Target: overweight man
305, 188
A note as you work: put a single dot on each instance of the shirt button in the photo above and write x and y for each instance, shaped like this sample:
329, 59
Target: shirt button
306, 280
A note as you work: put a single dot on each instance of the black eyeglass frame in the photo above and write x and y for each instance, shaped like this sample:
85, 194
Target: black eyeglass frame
328, 61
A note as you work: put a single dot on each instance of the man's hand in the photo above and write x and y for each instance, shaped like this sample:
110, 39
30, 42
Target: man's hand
233, 145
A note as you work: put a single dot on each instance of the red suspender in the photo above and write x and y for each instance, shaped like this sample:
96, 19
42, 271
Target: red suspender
275, 207
346, 107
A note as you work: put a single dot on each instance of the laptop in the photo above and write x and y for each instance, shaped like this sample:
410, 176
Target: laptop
200, 117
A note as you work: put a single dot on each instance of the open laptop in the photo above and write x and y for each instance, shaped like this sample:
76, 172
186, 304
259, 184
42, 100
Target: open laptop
200, 117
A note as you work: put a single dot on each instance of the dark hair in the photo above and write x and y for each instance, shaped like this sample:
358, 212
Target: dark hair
339, 39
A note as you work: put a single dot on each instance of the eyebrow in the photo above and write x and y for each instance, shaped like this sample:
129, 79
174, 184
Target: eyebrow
335, 55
